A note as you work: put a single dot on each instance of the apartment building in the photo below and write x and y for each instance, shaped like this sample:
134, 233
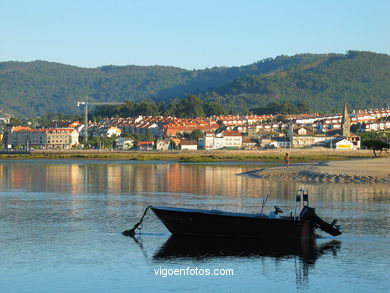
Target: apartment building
232, 139
26, 137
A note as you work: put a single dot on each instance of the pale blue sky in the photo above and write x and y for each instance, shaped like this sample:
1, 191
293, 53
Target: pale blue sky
185, 33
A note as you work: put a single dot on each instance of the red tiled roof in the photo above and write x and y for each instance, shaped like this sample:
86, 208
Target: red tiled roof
21, 128
189, 142
144, 143
231, 133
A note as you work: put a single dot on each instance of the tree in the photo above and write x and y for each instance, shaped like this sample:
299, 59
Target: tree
195, 134
148, 135
147, 108
14, 122
192, 107
214, 108
171, 109
376, 145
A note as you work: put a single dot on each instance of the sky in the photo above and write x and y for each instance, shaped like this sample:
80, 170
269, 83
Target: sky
186, 33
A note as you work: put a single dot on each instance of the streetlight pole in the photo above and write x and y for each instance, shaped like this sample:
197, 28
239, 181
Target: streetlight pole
86, 122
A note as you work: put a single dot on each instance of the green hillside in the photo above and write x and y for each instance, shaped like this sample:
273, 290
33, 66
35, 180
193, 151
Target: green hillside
359, 79
324, 81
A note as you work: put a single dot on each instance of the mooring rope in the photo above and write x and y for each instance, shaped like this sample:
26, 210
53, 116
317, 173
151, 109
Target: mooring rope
131, 232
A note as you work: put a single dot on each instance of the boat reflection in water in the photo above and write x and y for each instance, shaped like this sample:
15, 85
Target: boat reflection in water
199, 247
304, 252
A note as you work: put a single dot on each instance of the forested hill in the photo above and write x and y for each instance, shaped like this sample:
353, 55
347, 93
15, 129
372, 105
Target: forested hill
30, 88
359, 79
324, 81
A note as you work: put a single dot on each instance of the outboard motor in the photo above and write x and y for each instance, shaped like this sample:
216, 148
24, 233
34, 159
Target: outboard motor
309, 213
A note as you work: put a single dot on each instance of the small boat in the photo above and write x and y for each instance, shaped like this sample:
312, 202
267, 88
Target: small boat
216, 223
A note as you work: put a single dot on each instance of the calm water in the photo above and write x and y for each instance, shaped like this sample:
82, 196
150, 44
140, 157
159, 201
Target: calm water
61, 224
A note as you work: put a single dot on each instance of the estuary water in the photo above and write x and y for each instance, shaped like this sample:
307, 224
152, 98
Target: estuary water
61, 224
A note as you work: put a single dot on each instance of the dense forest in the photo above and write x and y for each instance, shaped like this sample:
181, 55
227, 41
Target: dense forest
359, 79
315, 82
189, 107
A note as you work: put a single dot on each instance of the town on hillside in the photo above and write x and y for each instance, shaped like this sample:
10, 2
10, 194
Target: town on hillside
248, 132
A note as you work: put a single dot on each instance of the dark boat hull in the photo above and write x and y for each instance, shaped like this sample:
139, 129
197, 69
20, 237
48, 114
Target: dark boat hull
188, 222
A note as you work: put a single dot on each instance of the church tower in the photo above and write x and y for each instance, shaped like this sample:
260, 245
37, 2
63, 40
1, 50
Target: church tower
346, 123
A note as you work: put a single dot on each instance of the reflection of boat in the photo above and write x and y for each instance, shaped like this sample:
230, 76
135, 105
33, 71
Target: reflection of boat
215, 223
203, 247
303, 252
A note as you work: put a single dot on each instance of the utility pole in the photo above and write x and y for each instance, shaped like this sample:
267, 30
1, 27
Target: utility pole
86, 122
86, 103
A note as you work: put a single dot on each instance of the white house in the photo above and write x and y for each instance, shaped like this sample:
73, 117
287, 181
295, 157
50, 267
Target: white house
280, 142
124, 143
163, 144
190, 145
344, 145
113, 131
212, 141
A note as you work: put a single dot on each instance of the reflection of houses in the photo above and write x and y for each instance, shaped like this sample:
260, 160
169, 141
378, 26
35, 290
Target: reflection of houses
145, 145
114, 179
190, 145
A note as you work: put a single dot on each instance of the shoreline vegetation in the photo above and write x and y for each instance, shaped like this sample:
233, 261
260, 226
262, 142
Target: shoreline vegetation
296, 155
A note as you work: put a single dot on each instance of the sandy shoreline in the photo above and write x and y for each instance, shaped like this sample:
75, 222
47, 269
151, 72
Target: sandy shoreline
358, 171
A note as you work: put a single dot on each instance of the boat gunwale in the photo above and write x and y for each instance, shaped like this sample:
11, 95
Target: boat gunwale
223, 213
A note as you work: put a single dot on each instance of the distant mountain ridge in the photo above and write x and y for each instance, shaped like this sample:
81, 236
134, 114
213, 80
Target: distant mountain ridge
359, 79
324, 81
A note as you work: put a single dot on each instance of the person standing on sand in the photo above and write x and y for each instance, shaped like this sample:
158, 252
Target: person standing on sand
287, 160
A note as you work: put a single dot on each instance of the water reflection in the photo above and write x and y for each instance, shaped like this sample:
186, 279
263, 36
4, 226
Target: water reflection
60, 221
221, 186
212, 180
304, 253
201, 247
